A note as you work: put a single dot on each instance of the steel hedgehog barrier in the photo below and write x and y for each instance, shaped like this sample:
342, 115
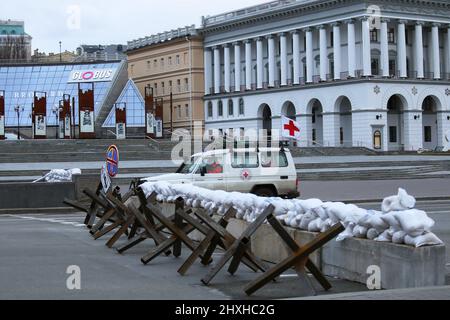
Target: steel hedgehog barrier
139, 217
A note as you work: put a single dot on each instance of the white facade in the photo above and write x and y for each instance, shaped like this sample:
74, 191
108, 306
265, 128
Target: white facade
379, 81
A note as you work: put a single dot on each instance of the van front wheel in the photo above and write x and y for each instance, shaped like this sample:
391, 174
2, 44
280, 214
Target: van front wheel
265, 191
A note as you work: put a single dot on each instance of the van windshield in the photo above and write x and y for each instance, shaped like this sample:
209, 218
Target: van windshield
188, 166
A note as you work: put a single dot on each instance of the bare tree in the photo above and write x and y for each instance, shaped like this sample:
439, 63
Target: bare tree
13, 47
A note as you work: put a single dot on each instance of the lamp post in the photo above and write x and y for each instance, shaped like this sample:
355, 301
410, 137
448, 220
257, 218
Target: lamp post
56, 110
18, 109
60, 52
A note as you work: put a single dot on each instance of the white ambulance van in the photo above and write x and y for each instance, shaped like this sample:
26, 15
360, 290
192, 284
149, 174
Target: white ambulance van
266, 172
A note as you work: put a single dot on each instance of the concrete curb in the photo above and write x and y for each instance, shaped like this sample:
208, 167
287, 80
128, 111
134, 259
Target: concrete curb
59, 210
443, 198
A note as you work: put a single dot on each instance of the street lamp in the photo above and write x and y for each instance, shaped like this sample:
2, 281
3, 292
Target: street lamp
56, 110
60, 52
18, 109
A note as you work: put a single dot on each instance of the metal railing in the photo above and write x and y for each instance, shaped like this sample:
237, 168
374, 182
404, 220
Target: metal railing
161, 37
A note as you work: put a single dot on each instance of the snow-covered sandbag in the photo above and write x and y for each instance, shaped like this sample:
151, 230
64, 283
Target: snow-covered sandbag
372, 219
347, 233
391, 220
307, 218
311, 204
360, 232
327, 224
320, 212
315, 225
402, 201
399, 237
386, 236
427, 239
372, 234
414, 222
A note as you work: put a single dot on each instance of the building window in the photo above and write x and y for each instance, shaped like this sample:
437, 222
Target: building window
230, 108
162, 62
375, 66
186, 84
132, 69
163, 87
170, 85
155, 63
179, 112
241, 107
313, 117
427, 134
186, 107
314, 135
331, 38
341, 135
393, 134
149, 65
179, 85
186, 61
210, 110
170, 61
220, 108
242, 132
374, 35
391, 35
392, 67
177, 59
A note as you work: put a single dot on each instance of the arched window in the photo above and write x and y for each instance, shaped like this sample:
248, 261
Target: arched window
241, 107
210, 109
220, 109
230, 108
377, 140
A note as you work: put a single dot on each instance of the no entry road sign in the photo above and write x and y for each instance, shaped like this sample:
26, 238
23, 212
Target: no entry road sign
112, 161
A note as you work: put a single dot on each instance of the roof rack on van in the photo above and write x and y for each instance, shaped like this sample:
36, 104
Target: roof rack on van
247, 144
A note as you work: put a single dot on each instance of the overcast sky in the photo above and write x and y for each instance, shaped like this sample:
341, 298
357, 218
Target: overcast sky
76, 22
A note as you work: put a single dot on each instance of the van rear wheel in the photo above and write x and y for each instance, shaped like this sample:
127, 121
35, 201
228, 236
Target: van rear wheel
266, 192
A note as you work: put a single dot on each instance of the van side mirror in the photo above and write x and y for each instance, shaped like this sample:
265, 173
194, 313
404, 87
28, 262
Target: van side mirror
203, 171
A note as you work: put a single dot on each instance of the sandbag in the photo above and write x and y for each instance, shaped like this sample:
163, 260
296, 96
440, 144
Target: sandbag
399, 237
414, 222
427, 239
347, 233
402, 201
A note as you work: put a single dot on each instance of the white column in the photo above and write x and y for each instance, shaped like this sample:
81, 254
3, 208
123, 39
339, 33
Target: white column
447, 51
418, 49
367, 59
401, 49
351, 48
384, 48
227, 67
248, 64
208, 71
436, 51
217, 70
237, 66
296, 56
323, 53
259, 63
309, 56
337, 50
272, 67
283, 59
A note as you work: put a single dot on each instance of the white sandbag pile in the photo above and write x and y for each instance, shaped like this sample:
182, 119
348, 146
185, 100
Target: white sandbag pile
59, 175
399, 222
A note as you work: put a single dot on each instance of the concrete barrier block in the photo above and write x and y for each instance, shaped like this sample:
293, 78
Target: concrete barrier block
401, 266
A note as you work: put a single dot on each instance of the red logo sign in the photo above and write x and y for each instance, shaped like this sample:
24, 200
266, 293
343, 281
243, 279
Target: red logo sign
88, 75
292, 128
112, 161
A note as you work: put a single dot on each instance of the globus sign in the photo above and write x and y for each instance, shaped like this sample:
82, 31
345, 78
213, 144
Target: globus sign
94, 75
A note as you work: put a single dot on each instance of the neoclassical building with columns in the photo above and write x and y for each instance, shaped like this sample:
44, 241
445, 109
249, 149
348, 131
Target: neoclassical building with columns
374, 74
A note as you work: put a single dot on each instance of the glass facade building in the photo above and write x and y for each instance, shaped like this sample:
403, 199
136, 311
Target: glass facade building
21, 81
134, 107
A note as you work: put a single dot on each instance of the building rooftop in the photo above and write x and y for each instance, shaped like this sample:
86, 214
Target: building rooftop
12, 27
162, 37
251, 11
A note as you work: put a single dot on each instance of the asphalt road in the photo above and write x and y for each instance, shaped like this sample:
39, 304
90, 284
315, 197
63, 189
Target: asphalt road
36, 251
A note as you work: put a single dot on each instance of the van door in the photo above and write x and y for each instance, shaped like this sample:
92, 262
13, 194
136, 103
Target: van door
213, 169
244, 171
